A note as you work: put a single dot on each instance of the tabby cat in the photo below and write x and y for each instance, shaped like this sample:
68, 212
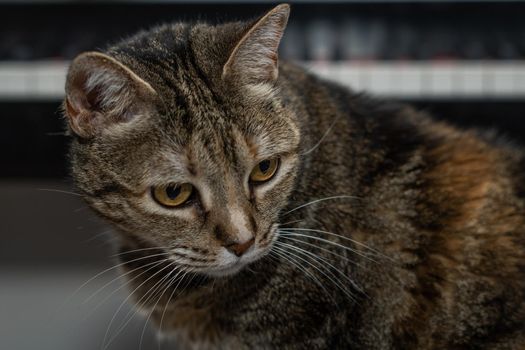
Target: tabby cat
259, 206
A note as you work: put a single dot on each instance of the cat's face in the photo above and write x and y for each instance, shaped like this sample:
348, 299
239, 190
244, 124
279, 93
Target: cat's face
174, 166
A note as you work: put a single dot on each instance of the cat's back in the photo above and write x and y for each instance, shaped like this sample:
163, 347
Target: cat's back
451, 207
471, 219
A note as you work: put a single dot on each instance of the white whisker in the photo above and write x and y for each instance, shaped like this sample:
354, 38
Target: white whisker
139, 250
170, 283
148, 295
170, 297
325, 261
336, 283
291, 233
155, 264
291, 222
302, 269
103, 272
322, 138
342, 237
106, 345
98, 235
320, 200
323, 249
59, 191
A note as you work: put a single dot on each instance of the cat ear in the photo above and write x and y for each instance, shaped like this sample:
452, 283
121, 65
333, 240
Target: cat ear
254, 58
101, 91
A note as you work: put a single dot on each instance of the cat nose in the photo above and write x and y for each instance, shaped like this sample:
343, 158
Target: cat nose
239, 248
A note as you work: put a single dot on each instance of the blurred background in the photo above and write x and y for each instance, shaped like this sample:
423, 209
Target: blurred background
464, 61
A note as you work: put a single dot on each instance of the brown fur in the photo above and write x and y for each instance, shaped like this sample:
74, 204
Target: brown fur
423, 245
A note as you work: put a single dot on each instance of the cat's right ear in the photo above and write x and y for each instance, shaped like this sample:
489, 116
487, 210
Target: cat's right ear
100, 91
253, 60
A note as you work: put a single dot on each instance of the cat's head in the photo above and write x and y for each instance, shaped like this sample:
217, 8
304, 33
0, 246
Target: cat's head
183, 140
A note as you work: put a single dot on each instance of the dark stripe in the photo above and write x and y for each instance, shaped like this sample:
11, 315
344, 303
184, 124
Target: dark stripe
104, 191
191, 258
202, 76
253, 223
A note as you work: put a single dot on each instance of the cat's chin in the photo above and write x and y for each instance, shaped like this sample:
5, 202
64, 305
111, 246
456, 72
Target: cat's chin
225, 271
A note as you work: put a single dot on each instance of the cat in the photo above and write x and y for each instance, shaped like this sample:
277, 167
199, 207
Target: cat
259, 206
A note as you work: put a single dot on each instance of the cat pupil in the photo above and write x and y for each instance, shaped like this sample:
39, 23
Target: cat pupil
264, 166
173, 191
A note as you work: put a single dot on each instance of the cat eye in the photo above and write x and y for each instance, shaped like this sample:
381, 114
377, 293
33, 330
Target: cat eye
172, 195
265, 170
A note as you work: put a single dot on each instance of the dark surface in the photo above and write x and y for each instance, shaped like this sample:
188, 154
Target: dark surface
388, 30
32, 142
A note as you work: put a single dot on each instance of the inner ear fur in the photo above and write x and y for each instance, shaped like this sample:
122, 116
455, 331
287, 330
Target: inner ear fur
254, 60
101, 91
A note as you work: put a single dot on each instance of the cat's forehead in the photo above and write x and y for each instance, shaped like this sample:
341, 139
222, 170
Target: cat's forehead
203, 121
216, 142
188, 54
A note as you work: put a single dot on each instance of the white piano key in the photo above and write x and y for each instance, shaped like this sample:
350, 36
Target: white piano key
14, 81
406, 80
519, 81
379, 79
50, 81
350, 75
416, 80
441, 78
427, 89
469, 80
501, 80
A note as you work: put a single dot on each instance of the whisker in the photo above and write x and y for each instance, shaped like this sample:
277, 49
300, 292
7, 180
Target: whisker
155, 263
170, 251
138, 250
124, 302
322, 138
291, 222
323, 249
336, 283
302, 269
103, 272
320, 200
170, 283
291, 233
325, 261
168, 300
170, 297
97, 236
191, 257
134, 310
342, 237
59, 191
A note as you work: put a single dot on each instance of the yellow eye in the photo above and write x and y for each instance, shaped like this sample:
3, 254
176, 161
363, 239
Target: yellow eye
265, 170
172, 195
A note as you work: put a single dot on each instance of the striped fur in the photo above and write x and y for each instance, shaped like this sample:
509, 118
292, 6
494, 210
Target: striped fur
430, 252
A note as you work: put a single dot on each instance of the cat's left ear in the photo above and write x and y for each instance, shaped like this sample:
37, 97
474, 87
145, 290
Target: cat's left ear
102, 92
254, 58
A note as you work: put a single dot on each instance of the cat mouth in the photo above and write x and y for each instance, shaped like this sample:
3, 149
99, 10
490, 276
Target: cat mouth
227, 264
233, 267
238, 263
224, 271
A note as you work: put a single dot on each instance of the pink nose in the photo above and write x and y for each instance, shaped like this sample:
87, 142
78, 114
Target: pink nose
240, 248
